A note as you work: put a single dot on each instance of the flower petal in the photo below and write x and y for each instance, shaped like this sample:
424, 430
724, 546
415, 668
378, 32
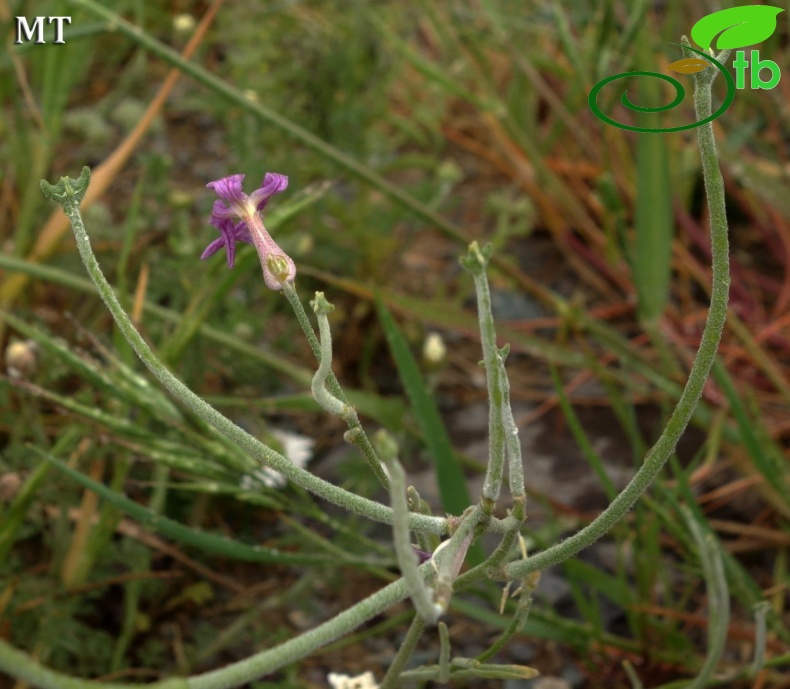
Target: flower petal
229, 189
273, 183
228, 232
212, 248
233, 203
243, 233
220, 212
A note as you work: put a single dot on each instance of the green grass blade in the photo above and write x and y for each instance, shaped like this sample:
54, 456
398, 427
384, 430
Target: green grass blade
710, 554
14, 516
451, 480
766, 457
207, 543
580, 436
652, 252
386, 412
265, 114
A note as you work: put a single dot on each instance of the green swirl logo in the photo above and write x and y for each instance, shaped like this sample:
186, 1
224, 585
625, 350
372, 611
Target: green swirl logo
736, 27
680, 94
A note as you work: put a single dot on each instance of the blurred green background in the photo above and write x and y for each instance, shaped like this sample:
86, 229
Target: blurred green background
407, 130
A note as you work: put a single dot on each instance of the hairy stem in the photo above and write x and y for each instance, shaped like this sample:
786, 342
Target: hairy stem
700, 369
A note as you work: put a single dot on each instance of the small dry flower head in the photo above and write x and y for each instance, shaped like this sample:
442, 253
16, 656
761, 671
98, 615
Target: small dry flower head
363, 681
296, 448
21, 358
434, 351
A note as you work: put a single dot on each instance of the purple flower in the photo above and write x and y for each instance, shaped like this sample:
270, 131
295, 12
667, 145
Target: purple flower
422, 556
277, 266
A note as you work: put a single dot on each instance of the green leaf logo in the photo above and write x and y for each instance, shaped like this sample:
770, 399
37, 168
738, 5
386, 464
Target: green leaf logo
738, 26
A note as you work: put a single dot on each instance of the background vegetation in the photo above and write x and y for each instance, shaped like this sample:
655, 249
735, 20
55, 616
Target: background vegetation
407, 130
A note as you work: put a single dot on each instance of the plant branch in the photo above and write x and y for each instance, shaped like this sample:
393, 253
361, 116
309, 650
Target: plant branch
700, 369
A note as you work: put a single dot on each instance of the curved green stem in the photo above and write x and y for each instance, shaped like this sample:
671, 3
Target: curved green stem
318, 387
405, 651
420, 593
700, 369
476, 262
333, 400
68, 194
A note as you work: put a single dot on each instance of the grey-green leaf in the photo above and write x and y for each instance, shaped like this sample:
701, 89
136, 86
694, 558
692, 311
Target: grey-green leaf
68, 190
738, 26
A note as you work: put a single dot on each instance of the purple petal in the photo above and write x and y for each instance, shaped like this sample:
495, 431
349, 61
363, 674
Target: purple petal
228, 232
233, 203
273, 183
212, 248
229, 189
422, 556
220, 212
242, 233
230, 252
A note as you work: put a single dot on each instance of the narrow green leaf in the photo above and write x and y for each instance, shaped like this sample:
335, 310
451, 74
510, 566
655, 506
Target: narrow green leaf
766, 457
710, 550
208, 543
14, 516
580, 436
386, 412
652, 255
452, 484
